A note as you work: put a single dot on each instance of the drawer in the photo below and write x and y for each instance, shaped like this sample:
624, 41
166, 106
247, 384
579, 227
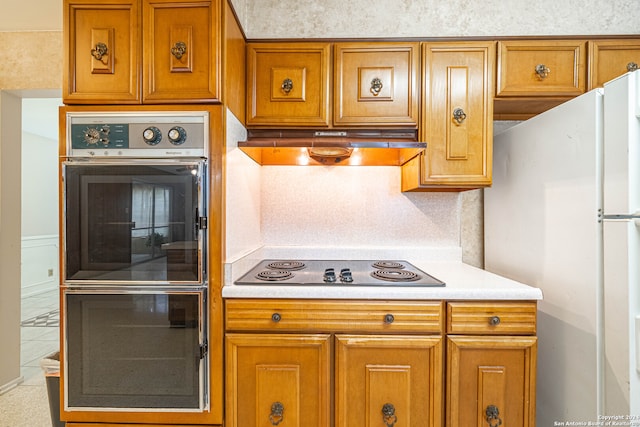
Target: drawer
334, 316
491, 318
541, 68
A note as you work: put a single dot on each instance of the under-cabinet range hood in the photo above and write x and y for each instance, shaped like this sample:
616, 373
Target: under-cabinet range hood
332, 147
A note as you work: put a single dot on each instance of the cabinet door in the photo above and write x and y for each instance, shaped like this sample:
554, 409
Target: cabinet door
491, 381
609, 59
278, 380
181, 51
457, 118
388, 380
288, 84
376, 84
102, 43
541, 68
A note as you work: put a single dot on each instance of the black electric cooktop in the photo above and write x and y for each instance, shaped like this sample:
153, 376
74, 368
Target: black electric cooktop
337, 273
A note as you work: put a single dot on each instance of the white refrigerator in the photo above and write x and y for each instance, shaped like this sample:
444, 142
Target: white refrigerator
563, 215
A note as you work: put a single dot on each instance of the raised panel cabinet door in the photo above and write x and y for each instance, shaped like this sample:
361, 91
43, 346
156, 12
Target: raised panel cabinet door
541, 68
491, 381
102, 47
181, 51
288, 84
609, 59
457, 115
388, 381
376, 84
278, 380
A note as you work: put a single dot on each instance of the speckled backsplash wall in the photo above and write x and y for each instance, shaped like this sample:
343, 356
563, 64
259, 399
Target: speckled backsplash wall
435, 18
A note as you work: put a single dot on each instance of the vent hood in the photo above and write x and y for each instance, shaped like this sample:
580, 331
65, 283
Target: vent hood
331, 147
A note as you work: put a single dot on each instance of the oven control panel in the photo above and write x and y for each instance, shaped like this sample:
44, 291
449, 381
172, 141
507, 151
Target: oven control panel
137, 134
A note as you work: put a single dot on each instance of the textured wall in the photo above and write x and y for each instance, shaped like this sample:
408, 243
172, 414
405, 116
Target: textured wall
31, 60
435, 18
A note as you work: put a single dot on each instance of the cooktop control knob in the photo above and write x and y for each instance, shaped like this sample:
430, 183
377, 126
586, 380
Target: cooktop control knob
329, 275
346, 276
152, 135
177, 135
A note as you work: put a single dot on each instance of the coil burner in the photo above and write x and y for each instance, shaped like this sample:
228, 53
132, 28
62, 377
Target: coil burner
274, 275
387, 264
395, 275
286, 265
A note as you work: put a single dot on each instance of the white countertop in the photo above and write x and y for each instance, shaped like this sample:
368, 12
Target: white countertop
463, 282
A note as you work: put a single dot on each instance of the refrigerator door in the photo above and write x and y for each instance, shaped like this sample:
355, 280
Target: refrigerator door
541, 229
621, 183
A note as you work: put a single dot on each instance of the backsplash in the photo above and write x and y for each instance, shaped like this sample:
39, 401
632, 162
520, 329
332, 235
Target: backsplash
351, 206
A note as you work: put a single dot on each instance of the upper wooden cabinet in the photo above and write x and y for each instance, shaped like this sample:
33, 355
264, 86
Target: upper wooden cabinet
535, 75
609, 59
457, 122
376, 84
288, 84
105, 62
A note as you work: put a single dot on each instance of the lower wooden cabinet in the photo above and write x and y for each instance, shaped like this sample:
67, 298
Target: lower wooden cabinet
491, 381
388, 381
473, 366
278, 380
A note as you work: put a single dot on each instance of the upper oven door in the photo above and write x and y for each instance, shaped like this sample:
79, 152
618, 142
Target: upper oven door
132, 221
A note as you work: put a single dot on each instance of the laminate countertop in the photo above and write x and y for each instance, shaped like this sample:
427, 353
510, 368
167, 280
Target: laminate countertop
462, 281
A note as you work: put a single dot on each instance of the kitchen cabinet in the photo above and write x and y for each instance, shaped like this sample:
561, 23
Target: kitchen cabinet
105, 62
385, 359
609, 59
491, 363
535, 75
288, 84
457, 119
374, 85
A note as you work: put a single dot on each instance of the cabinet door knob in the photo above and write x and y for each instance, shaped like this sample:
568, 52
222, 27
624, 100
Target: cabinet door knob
179, 49
389, 318
459, 115
376, 86
276, 317
277, 413
542, 71
389, 414
493, 416
99, 51
494, 320
632, 66
287, 86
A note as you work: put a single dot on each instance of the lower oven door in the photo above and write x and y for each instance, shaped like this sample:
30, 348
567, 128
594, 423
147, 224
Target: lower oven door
135, 351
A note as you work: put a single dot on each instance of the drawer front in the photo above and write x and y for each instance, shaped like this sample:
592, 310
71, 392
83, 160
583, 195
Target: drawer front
491, 318
549, 68
334, 316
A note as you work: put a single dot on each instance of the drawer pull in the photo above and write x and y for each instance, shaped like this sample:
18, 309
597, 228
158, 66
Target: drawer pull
287, 86
389, 319
493, 416
179, 49
542, 71
632, 66
277, 413
376, 86
276, 317
99, 51
459, 115
494, 320
389, 415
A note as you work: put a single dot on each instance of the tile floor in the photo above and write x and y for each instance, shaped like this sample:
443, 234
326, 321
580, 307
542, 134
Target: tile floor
40, 334
27, 405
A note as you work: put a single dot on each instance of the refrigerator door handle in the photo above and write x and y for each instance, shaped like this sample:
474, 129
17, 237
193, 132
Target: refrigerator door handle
620, 217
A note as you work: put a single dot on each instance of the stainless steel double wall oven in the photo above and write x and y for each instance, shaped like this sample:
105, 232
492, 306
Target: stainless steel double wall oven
134, 280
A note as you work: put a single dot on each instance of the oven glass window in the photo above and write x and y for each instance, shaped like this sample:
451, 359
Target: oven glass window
134, 350
133, 222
